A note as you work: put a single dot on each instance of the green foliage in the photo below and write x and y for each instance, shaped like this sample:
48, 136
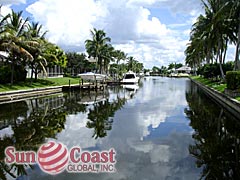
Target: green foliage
134, 65
5, 74
77, 63
55, 56
39, 83
156, 69
233, 80
99, 48
210, 83
213, 71
211, 33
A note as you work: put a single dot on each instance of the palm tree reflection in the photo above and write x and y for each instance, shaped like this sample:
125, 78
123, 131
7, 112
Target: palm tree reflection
101, 116
217, 137
29, 131
32, 122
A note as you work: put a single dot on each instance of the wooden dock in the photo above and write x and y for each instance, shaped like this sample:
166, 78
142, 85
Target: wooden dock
93, 86
85, 86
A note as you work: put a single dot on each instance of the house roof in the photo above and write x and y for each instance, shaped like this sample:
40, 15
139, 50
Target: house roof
184, 68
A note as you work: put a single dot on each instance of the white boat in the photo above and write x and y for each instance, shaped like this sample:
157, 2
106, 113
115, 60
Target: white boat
90, 76
130, 78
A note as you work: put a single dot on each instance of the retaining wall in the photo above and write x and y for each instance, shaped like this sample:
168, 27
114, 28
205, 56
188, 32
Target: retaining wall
232, 105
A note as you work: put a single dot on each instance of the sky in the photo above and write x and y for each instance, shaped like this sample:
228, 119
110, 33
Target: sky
154, 32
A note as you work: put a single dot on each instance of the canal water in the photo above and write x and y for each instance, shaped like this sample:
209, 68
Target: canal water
162, 128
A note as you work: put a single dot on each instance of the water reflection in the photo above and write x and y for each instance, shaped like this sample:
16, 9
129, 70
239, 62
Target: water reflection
27, 124
217, 137
101, 116
147, 126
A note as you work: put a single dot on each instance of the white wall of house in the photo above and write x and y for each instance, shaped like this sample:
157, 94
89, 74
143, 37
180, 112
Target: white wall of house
55, 71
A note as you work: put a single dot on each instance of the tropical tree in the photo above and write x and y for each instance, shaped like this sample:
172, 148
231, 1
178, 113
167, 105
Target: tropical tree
210, 35
55, 55
77, 63
34, 33
131, 63
119, 55
234, 9
13, 40
96, 47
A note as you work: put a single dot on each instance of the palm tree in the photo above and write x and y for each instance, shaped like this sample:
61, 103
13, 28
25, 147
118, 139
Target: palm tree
13, 40
108, 56
119, 55
234, 9
131, 64
210, 34
35, 35
95, 47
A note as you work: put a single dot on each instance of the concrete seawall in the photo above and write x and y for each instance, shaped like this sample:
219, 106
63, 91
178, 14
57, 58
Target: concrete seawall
12, 96
232, 105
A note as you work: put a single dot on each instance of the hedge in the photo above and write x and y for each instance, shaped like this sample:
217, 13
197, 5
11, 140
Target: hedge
5, 74
213, 70
233, 80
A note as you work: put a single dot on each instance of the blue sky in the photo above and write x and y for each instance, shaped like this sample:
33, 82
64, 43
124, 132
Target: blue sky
155, 32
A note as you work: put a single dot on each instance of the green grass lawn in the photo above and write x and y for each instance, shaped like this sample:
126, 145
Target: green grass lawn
213, 84
237, 98
40, 83
219, 86
64, 80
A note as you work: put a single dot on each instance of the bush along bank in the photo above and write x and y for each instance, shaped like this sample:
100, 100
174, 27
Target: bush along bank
218, 85
233, 83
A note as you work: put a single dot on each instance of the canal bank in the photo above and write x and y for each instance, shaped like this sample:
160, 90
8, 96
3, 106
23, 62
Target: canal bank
232, 105
11, 96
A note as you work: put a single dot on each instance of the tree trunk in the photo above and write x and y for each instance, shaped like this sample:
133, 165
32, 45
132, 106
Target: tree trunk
32, 70
36, 73
100, 63
236, 57
220, 65
12, 72
225, 52
208, 57
236, 62
220, 54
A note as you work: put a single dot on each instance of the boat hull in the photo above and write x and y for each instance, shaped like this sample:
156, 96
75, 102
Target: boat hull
130, 78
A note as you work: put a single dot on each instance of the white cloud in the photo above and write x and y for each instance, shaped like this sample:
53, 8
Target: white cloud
129, 23
5, 10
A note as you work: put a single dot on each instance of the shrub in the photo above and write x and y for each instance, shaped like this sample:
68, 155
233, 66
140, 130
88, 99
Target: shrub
213, 70
20, 73
5, 74
233, 80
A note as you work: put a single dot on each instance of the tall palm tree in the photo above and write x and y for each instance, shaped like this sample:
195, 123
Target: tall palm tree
211, 34
13, 40
95, 46
119, 55
108, 56
234, 9
131, 64
35, 35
